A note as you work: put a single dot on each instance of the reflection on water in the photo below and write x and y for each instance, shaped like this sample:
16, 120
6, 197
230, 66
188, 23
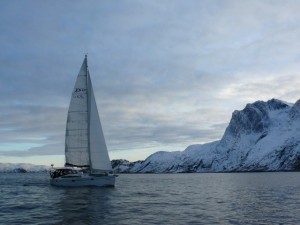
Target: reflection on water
231, 198
84, 205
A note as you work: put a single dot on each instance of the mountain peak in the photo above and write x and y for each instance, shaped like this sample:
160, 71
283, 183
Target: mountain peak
261, 137
295, 111
254, 118
275, 104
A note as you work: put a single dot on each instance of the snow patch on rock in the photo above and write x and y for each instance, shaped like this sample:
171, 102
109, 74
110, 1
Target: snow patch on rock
264, 136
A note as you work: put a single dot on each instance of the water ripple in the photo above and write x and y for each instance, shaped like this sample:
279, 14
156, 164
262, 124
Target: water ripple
242, 198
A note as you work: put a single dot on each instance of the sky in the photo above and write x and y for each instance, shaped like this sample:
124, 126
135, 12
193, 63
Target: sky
166, 73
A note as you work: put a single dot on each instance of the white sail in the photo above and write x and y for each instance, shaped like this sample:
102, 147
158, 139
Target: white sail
85, 143
98, 151
76, 140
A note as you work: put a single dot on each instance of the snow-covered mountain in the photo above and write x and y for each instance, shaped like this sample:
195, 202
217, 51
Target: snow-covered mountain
22, 168
264, 136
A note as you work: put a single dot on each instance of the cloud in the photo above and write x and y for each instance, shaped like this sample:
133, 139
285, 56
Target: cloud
265, 87
166, 74
44, 150
23, 127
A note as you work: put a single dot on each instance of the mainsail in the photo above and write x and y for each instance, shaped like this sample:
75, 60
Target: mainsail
85, 143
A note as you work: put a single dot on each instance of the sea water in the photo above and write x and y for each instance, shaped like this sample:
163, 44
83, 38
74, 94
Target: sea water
207, 198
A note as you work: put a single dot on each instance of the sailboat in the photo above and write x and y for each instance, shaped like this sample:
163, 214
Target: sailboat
86, 155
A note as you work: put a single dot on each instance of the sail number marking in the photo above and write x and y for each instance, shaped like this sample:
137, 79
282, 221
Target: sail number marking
78, 93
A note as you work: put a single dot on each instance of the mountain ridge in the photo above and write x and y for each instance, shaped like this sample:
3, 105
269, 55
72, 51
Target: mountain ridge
22, 168
264, 136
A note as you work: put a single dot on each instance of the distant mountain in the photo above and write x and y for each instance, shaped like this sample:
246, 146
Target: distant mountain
264, 136
22, 168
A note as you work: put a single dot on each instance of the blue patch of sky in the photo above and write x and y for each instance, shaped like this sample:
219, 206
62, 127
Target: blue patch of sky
18, 146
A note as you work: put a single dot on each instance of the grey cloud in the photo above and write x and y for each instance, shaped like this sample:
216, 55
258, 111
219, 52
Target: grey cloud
44, 150
159, 68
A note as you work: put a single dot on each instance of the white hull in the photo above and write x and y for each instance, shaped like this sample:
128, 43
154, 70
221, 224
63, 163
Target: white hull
84, 180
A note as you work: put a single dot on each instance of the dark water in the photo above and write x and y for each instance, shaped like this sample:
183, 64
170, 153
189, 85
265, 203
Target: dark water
235, 198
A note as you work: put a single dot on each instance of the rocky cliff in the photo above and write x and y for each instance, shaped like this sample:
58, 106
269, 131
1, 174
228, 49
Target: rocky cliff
264, 136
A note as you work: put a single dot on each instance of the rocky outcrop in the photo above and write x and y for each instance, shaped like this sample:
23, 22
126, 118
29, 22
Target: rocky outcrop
264, 136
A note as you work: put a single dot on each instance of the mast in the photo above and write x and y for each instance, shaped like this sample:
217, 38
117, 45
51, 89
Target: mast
89, 110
